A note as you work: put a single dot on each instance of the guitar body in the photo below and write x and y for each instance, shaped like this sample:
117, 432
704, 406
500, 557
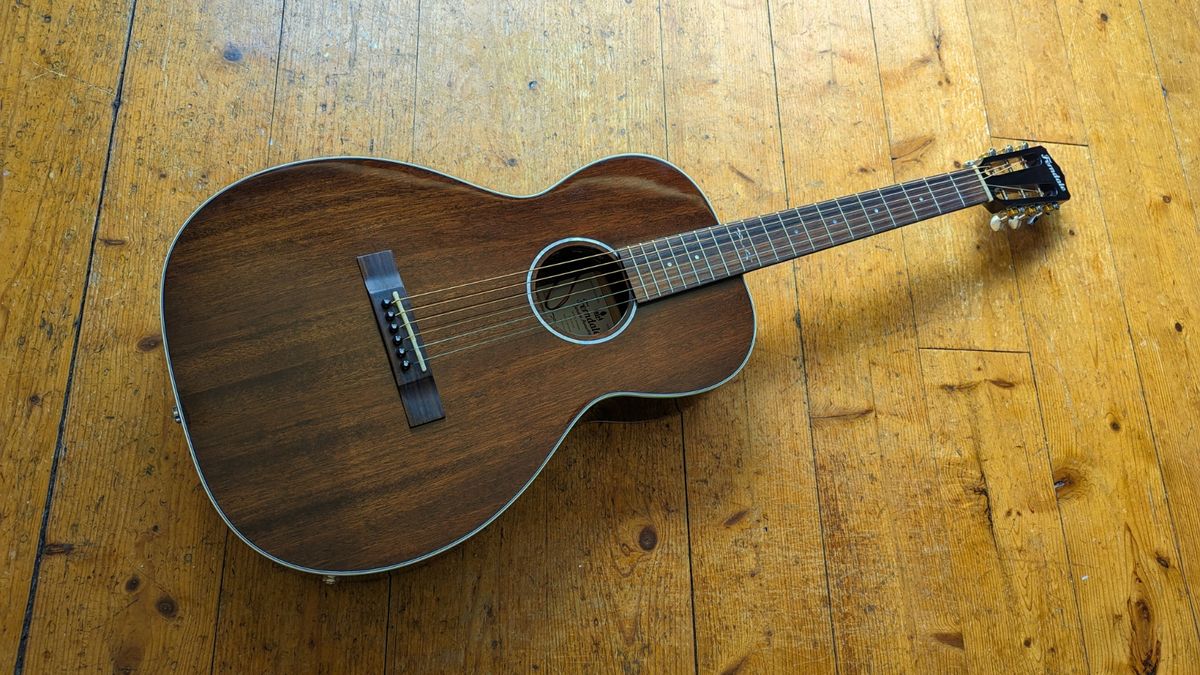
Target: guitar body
281, 371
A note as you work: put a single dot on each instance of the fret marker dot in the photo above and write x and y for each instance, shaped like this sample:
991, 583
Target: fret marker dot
696, 256
670, 264
876, 210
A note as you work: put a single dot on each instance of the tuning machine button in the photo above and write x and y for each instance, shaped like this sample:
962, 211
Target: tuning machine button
996, 222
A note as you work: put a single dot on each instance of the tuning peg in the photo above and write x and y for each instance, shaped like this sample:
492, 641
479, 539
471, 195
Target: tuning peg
996, 222
1014, 223
990, 153
1023, 146
1008, 148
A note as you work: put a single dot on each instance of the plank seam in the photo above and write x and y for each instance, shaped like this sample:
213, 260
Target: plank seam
1150, 424
1183, 165
1062, 525
662, 74
787, 197
212, 661
275, 85
26, 624
974, 349
687, 520
412, 144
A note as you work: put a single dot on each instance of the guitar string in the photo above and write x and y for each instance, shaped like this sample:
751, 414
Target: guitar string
879, 200
823, 238
433, 356
858, 218
531, 315
973, 172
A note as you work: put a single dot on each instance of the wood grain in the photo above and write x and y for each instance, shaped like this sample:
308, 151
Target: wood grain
344, 86
1023, 69
142, 577
1120, 540
1007, 553
962, 282
59, 70
1174, 35
1155, 247
515, 96
885, 535
759, 587
564, 580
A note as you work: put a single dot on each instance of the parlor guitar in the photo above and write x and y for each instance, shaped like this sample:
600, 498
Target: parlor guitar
372, 360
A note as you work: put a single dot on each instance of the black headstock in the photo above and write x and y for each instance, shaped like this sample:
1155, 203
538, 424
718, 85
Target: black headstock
1023, 183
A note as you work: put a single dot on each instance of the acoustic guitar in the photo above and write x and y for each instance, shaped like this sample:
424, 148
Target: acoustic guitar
372, 360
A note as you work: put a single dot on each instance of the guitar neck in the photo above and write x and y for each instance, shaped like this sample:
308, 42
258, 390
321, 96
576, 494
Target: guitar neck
687, 260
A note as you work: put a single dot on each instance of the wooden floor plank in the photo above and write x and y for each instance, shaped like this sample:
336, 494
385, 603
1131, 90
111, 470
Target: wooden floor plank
59, 73
136, 584
344, 87
893, 599
1024, 72
961, 275
760, 588
1110, 492
1156, 251
1007, 553
588, 570
1174, 30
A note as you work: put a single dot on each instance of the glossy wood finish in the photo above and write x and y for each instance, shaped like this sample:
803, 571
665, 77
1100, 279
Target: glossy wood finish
289, 399
795, 519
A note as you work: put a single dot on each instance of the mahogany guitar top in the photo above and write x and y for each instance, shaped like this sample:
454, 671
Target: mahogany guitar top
284, 385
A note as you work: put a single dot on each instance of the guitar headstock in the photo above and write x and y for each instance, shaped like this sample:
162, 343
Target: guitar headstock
1024, 183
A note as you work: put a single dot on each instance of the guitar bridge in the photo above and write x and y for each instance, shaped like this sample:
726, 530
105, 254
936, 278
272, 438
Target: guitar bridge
401, 338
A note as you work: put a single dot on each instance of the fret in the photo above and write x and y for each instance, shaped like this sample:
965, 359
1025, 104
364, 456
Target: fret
774, 253
821, 217
954, 184
936, 205
636, 268
653, 276
783, 226
891, 216
849, 227
866, 215
733, 244
687, 255
804, 226
663, 266
741, 240
911, 205
712, 235
835, 221
675, 262
701, 254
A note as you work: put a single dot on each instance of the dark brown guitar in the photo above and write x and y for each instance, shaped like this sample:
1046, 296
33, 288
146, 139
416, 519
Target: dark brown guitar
372, 360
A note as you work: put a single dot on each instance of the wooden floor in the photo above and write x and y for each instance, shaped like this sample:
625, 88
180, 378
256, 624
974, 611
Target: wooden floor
952, 449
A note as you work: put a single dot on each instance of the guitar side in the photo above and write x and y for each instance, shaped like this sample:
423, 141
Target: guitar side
284, 387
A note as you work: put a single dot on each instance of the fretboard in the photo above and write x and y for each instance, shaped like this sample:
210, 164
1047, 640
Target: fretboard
683, 261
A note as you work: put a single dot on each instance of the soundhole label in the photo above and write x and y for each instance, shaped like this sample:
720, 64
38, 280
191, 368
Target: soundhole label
579, 291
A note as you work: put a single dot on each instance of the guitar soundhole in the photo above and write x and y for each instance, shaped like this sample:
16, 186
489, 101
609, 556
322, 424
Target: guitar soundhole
579, 291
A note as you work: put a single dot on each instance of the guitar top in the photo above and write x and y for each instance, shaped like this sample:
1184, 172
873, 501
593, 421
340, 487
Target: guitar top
372, 360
